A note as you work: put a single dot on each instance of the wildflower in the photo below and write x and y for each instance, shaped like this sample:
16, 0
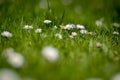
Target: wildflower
73, 25
55, 27
50, 53
116, 77
69, 26
71, 36
74, 34
83, 31
16, 60
58, 35
99, 22
39, 30
98, 44
13, 58
92, 33
47, 21
80, 27
6, 34
62, 26
115, 32
7, 74
28, 27
116, 25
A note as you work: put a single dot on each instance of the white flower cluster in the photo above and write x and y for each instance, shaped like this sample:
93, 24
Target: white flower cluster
13, 58
39, 30
58, 35
73, 34
47, 21
6, 34
78, 26
116, 33
28, 27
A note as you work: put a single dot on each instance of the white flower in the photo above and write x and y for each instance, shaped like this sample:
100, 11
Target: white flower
47, 21
98, 44
73, 25
71, 36
116, 77
116, 25
83, 31
6, 34
16, 60
62, 26
55, 27
116, 32
69, 26
80, 26
39, 30
99, 23
7, 74
13, 58
28, 27
92, 33
74, 34
50, 53
58, 35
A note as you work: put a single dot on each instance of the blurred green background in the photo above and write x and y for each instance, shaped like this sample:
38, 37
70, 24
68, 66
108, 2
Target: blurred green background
76, 8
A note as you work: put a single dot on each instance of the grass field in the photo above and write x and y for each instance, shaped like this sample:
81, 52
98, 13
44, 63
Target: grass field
74, 54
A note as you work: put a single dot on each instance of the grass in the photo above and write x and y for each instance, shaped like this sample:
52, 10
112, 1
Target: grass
79, 57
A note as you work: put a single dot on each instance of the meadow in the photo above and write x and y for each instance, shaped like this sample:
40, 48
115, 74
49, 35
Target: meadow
59, 40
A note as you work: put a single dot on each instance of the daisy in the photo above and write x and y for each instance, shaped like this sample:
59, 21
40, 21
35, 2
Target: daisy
83, 31
28, 27
69, 26
116, 25
58, 35
71, 36
92, 33
47, 21
74, 34
6, 34
62, 26
116, 32
98, 44
39, 30
55, 27
50, 53
80, 27
99, 22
